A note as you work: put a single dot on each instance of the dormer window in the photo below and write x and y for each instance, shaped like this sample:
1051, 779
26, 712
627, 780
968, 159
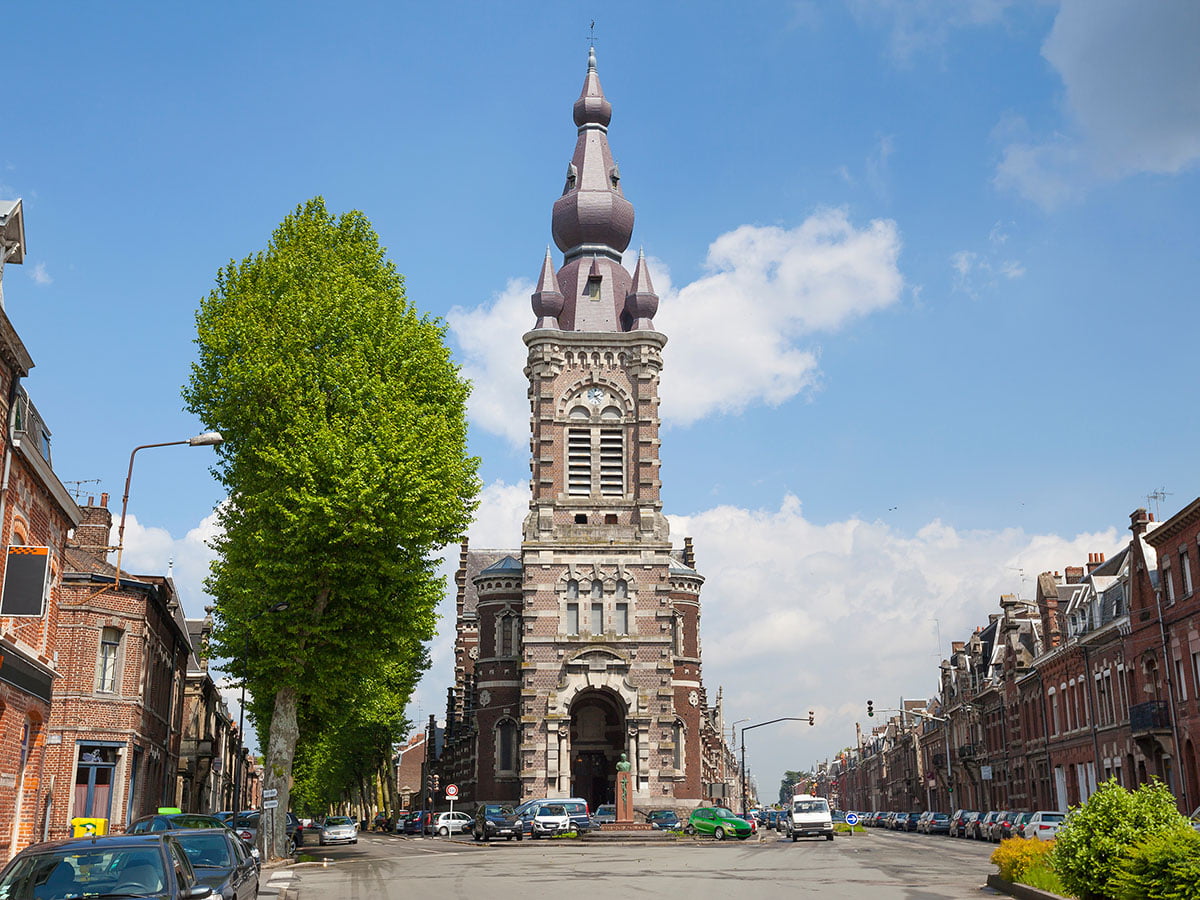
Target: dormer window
592, 288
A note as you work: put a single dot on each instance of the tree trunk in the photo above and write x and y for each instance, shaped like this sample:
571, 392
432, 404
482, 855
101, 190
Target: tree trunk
281, 753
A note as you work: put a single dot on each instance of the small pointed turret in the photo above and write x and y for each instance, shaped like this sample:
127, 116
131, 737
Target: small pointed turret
547, 298
641, 303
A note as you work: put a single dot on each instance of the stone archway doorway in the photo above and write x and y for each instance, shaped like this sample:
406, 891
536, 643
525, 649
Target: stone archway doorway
597, 741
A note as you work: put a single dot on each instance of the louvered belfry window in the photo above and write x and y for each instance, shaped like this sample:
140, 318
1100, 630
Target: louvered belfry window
579, 461
595, 462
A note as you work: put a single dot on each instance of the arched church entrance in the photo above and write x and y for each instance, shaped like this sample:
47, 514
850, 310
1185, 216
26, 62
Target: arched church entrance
597, 741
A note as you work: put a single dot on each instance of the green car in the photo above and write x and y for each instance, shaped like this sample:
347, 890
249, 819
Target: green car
719, 822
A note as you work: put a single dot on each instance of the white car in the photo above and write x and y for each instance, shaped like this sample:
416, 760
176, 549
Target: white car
448, 823
338, 830
1043, 824
549, 820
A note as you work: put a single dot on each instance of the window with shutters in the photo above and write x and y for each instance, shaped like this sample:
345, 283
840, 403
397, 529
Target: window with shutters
595, 462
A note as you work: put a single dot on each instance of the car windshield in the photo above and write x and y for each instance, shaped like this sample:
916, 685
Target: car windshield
66, 873
338, 820
186, 821
723, 812
1052, 817
555, 810
206, 850
810, 806
506, 811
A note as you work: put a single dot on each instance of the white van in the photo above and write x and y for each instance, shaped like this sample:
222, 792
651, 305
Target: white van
811, 817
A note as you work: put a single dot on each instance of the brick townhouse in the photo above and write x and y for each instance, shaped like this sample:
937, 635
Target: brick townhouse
1097, 677
210, 747
36, 515
116, 725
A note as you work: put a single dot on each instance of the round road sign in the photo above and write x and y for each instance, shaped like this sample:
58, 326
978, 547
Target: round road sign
452, 790
851, 819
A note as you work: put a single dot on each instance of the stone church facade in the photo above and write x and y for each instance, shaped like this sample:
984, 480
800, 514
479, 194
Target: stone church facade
584, 643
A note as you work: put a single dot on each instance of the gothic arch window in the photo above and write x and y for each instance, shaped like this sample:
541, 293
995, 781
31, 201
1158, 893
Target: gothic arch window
508, 635
677, 738
506, 747
677, 635
622, 589
572, 589
597, 589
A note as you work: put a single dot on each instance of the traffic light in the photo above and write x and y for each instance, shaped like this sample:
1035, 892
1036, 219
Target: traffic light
437, 782
870, 707
429, 784
811, 720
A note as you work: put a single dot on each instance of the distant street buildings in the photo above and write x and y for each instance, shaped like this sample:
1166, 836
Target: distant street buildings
1095, 677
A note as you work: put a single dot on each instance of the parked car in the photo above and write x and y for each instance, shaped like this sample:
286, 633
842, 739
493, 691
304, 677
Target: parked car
907, 821
124, 865
171, 822
418, 822
664, 820
246, 825
221, 861
1011, 826
810, 817
963, 824
606, 814
981, 828
719, 822
937, 823
550, 819
448, 823
1043, 824
493, 820
338, 830
997, 826
577, 809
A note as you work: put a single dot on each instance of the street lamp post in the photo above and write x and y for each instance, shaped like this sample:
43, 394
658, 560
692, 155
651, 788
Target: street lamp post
237, 781
207, 439
809, 720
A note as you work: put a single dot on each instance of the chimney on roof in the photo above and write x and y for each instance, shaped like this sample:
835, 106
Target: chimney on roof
1047, 604
1074, 574
1095, 561
958, 646
1138, 520
93, 533
689, 553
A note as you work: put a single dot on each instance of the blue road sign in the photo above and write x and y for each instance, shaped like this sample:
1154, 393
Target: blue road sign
851, 819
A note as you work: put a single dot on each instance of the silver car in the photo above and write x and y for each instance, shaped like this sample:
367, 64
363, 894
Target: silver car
338, 830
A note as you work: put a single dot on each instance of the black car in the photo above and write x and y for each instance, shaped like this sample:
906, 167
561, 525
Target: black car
419, 822
221, 861
664, 820
493, 820
171, 822
124, 865
246, 825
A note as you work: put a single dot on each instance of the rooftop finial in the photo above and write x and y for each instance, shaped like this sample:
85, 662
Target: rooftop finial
591, 59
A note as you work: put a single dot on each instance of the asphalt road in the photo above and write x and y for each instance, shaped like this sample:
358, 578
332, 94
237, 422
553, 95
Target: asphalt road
880, 865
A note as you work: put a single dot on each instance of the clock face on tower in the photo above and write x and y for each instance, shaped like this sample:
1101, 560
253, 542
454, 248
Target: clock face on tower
595, 396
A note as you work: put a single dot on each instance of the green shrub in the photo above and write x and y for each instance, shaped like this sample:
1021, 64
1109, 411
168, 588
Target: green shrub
1095, 837
1164, 866
1042, 876
1016, 856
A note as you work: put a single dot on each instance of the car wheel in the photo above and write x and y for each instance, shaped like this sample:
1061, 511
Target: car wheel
689, 829
829, 837
291, 846
719, 833
794, 837
520, 836
444, 831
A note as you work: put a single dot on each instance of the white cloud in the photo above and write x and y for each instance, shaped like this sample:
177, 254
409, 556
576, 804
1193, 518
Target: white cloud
151, 551
494, 359
40, 275
767, 290
975, 272
799, 615
1130, 73
917, 26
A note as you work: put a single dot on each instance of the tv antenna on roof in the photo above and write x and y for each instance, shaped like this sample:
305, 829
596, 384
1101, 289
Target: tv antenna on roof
1157, 497
77, 490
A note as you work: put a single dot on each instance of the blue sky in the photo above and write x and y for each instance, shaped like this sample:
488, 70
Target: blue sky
928, 273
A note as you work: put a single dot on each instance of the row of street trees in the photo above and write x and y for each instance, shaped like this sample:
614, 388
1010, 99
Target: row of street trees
346, 466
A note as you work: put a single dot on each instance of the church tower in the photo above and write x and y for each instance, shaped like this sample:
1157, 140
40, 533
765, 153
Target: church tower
584, 644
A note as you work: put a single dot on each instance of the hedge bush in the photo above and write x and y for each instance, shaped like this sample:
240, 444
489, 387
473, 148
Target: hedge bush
1097, 835
1016, 856
1164, 866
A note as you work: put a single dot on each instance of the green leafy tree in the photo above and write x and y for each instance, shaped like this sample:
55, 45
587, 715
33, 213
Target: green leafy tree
345, 463
1095, 838
788, 784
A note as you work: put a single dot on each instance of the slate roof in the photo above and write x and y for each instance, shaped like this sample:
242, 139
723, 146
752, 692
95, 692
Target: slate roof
476, 562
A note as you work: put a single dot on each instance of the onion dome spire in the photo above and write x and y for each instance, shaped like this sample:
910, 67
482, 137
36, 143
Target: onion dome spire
592, 215
547, 298
641, 303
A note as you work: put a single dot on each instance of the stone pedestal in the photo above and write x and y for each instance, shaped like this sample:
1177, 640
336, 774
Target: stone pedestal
624, 798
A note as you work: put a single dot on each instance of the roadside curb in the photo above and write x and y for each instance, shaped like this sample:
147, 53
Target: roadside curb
1020, 891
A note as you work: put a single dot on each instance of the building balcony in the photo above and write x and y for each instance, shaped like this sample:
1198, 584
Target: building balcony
968, 751
1148, 717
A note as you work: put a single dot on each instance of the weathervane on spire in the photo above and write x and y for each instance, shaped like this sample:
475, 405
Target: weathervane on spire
592, 33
